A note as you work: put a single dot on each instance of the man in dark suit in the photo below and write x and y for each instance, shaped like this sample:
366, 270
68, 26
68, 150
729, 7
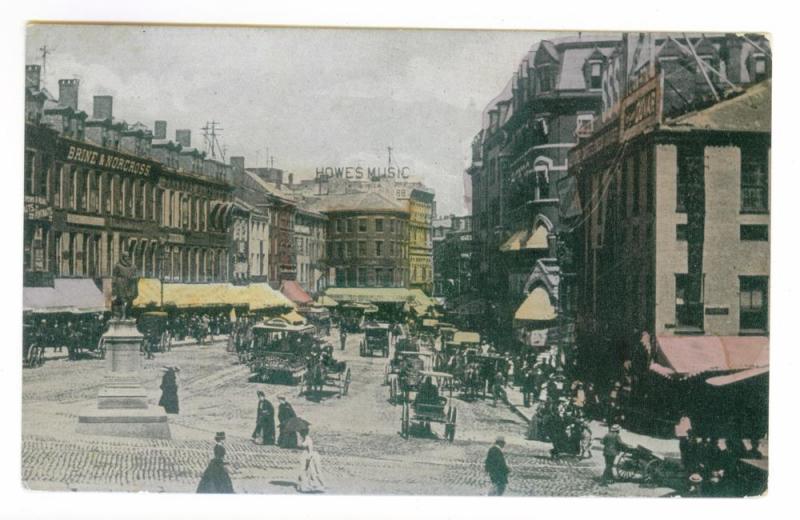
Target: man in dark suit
497, 468
265, 420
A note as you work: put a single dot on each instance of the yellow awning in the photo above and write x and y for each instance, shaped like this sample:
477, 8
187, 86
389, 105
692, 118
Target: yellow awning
294, 318
326, 301
197, 295
536, 307
537, 240
514, 242
466, 337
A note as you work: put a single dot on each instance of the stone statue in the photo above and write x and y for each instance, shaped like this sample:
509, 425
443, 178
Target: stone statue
124, 286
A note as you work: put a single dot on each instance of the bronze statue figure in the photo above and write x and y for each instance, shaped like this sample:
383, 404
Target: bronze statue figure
124, 287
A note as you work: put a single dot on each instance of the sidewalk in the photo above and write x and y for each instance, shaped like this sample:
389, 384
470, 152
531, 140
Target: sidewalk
663, 447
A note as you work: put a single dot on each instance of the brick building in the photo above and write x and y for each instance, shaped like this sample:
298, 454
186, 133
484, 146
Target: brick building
675, 210
367, 239
95, 187
451, 236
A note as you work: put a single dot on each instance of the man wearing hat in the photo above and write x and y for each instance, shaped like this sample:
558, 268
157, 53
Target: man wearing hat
497, 468
612, 445
265, 420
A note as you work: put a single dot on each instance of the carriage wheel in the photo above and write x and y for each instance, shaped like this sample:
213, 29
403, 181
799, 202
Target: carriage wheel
405, 421
654, 472
452, 424
625, 466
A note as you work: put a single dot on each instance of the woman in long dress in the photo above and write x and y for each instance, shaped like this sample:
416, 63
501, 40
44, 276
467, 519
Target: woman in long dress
309, 479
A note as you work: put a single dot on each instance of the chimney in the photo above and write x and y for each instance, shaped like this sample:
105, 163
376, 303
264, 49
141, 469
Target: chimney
184, 137
103, 107
160, 130
68, 92
33, 76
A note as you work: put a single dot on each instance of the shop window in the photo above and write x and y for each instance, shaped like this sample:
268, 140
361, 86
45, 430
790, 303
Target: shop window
754, 179
753, 304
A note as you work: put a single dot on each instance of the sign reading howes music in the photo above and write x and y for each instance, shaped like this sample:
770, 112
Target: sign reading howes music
102, 158
362, 172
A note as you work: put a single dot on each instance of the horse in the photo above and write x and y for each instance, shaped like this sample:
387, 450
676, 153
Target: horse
472, 381
316, 377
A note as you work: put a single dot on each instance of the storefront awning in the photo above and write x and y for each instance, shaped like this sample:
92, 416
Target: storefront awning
379, 295
538, 239
536, 307
292, 290
466, 337
326, 301
737, 377
187, 296
293, 318
691, 355
514, 242
67, 295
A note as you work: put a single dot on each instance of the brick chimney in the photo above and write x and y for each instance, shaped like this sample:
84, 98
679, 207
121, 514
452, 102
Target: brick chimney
160, 130
184, 137
103, 107
33, 76
68, 92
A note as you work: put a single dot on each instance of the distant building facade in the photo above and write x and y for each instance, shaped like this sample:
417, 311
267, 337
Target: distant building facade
452, 255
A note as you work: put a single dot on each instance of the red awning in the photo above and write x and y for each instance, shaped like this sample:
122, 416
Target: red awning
691, 355
742, 375
292, 290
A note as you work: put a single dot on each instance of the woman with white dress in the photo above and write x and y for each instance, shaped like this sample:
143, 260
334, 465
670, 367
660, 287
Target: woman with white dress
309, 479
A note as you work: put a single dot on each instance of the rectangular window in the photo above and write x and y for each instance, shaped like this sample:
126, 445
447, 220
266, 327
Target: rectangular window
753, 232
391, 249
362, 276
349, 225
585, 125
637, 172
680, 232
340, 249
362, 248
753, 303
690, 165
754, 179
30, 159
391, 225
379, 225
339, 226
759, 68
379, 248
379, 278
362, 225
688, 304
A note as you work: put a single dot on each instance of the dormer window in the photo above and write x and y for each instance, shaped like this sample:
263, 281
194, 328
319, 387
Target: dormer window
595, 75
759, 67
547, 79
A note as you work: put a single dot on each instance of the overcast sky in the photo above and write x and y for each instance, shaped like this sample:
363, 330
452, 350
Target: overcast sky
314, 97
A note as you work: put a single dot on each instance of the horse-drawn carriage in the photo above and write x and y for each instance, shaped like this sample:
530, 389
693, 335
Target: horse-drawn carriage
156, 335
320, 317
80, 333
279, 351
323, 370
352, 315
640, 463
428, 407
404, 372
376, 338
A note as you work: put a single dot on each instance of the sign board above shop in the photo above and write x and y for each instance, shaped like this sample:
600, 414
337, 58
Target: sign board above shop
640, 112
323, 173
99, 158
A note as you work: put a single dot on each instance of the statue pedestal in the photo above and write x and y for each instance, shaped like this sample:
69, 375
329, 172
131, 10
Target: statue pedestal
122, 409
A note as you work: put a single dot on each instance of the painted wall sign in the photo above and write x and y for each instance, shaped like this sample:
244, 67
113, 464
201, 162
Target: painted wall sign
362, 172
641, 109
717, 311
101, 158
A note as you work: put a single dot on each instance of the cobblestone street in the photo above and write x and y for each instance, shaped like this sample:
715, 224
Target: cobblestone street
357, 437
